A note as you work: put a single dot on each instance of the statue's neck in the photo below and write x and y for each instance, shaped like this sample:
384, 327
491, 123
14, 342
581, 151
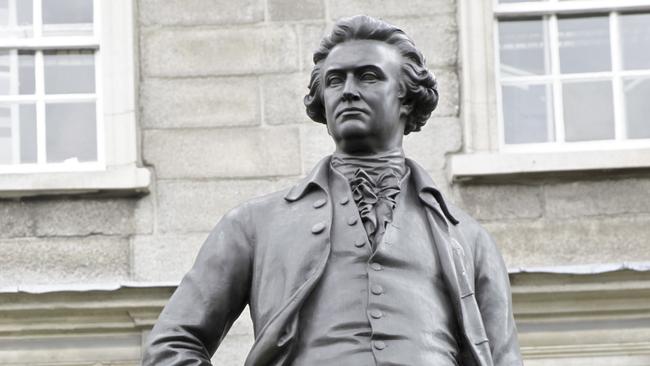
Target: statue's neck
373, 164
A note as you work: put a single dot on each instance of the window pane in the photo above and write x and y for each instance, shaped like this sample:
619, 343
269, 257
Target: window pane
17, 133
588, 110
16, 18
637, 104
522, 48
518, 1
527, 113
62, 17
16, 72
584, 44
69, 71
635, 41
71, 132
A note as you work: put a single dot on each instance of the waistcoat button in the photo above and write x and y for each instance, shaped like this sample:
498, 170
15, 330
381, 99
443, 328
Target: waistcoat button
359, 243
320, 203
377, 290
352, 220
376, 314
379, 345
345, 200
375, 266
318, 228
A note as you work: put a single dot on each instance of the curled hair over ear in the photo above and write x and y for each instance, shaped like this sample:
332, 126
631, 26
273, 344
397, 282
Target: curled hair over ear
418, 83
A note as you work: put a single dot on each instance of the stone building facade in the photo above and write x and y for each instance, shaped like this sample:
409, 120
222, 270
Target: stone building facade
219, 116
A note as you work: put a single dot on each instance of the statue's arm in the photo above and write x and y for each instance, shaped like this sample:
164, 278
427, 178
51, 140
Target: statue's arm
208, 300
495, 302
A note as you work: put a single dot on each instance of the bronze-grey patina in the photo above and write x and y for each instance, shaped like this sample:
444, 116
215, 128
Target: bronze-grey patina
363, 262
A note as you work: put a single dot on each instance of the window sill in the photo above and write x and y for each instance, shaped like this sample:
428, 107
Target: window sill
494, 165
122, 180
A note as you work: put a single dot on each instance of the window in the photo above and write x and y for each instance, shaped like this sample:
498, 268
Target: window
564, 86
67, 97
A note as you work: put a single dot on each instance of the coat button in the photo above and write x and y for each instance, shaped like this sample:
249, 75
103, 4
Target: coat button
352, 220
379, 345
345, 200
376, 314
376, 266
318, 228
359, 243
320, 203
377, 290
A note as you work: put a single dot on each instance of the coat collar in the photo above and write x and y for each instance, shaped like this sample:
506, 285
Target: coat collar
427, 191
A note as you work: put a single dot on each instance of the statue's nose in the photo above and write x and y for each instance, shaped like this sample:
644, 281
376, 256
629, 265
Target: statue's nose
350, 90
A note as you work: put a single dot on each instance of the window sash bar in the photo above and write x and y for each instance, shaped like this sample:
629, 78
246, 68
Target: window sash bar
558, 102
587, 76
40, 108
617, 81
568, 7
45, 43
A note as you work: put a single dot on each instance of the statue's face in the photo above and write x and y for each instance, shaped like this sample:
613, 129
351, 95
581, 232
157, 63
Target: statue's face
361, 94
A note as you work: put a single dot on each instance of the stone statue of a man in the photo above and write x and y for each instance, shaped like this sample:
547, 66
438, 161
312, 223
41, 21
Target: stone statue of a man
362, 262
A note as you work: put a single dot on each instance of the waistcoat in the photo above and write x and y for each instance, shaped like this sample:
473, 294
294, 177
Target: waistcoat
384, 307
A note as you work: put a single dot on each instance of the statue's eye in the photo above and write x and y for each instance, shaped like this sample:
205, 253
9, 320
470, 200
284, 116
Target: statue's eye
369, 76
334, 80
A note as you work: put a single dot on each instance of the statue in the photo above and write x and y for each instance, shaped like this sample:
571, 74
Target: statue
363, 262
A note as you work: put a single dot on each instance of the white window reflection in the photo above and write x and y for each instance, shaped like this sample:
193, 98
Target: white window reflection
71, 132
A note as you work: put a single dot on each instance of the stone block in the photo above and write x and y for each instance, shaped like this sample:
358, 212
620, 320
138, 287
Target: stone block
216, 52
604, 197
233, 350
205, 102
233, 152
449, 94
436, 37
197, 206
15, 219
164, 258
552, 242
79, 260
504, 201
391, 8
283, 98
200, 12
76, 217
437, 138
286, 10
316, 144
310, 36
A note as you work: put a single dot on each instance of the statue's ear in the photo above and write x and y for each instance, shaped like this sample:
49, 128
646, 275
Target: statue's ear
406, 108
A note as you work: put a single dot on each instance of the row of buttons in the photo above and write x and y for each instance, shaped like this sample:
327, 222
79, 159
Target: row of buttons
319, 227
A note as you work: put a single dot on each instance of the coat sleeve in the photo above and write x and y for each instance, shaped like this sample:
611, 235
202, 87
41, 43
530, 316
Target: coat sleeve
495, 302
208, 300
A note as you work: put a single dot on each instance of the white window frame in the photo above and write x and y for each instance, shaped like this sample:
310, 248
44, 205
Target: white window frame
118, 165
484, 152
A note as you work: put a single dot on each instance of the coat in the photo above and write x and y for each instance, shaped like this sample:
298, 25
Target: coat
270, 252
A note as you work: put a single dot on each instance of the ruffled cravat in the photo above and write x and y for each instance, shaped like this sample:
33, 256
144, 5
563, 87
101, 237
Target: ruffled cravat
375, 184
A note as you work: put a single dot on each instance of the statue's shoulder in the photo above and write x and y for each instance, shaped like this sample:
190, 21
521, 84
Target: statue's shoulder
476, 236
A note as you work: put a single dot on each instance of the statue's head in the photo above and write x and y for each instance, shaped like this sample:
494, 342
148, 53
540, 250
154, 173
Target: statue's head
370, 80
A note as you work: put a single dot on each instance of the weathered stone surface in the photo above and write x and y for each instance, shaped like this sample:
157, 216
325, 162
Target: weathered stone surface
215, 52
91, 259
197, 206
449, 94
588, 198
164, 258
436, 37
283, 95
315, 143
198, 12
504, 201
310, 36
233, 350
282, 10
205, 102
390, 8
240, 152
437, 138
552, 242
15, 219
83, 217
144, 212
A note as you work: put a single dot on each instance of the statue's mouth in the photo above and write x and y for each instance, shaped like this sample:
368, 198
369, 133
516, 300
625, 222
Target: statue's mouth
351, 110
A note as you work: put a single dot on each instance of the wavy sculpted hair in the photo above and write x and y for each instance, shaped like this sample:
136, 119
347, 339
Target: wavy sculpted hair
417, 81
